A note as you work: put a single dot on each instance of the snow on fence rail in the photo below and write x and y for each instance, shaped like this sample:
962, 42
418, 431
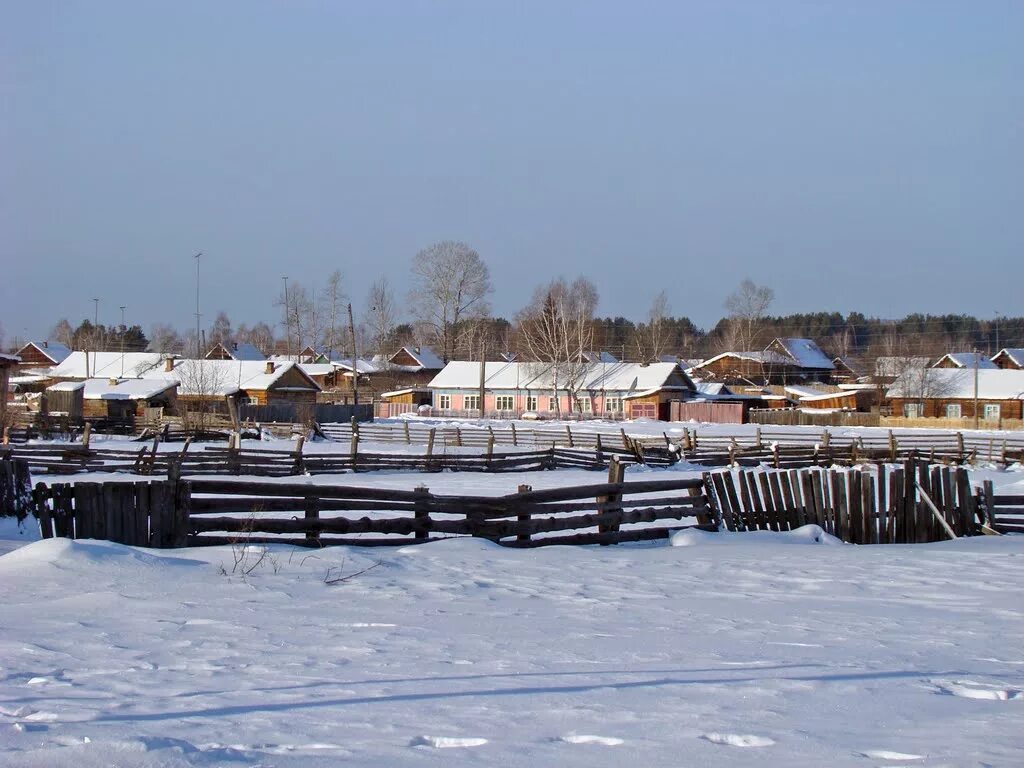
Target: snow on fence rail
447, 436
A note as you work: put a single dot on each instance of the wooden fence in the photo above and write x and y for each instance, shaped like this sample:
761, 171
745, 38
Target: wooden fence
914, 503
15, 487
176, 513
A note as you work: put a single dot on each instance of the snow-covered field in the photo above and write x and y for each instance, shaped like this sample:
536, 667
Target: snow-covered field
742, 649
728, 649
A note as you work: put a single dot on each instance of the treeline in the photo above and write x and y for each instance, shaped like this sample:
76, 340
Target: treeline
448, 310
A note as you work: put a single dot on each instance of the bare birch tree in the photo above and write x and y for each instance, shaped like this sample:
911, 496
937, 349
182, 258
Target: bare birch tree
747, 306
451, 285
332, 299
380, 315
557, 328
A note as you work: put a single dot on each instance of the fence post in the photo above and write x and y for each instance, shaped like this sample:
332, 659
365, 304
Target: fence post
568, 433
458, 437
613, 501
85, 435
354, 444
311, 511
757, 437
990, 504
299, 442
515, 441
523, 517
430, 447
408, 437
421, 514
599, 450
893, 447
490, 445
625, 440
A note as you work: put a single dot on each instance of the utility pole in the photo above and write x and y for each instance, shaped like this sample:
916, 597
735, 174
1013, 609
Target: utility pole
196, 257
977, 364
95, 337
287, 321
355, 360
483, 373
122, 340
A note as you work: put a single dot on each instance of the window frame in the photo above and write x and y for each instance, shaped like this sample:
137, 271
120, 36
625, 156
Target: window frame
954, 411
504, 403
991, 411
471, 402
531, 402
444, 402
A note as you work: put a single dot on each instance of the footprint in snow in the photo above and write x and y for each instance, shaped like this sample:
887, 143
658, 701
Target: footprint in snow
446, 742
887, 754
738, 739
971, 690
583, 738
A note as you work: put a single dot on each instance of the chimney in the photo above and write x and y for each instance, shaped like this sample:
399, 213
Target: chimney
46, 345
168, 364
270, 366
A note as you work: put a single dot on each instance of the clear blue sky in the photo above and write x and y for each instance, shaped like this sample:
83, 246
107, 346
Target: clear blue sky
852, 155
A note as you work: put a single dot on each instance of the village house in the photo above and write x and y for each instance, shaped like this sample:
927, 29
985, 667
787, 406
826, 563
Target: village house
251, 382
1011, 359
964, 360
234, 351
41, 354
784, 361
602, 390
113, 399
950, 393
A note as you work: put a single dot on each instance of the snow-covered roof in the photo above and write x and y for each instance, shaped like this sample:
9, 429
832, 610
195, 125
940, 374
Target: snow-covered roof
602, 357
362, 365
425, 356
958, 384
1015, 354
764, 357
810, 394
317, 369
9, 358
54, 350
116, 389
107, 364
406, 391
712, 388
966, 360
237, 351
806, 353
624, 377
225, 377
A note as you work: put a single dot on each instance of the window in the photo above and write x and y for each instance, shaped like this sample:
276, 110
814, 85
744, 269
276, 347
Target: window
953, 411
504, 403
552, 404
471, 402
991, 412
254, 401
583, 404
444, 402
612, 405
531, 402
913, 410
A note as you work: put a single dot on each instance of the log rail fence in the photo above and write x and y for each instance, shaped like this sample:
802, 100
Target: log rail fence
912, 503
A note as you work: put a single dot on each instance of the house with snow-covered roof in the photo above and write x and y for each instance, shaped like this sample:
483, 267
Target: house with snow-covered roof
42, 354
784, 361
950, 393
234, 351
1010, 358
117, 399
964, 360
592, 390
